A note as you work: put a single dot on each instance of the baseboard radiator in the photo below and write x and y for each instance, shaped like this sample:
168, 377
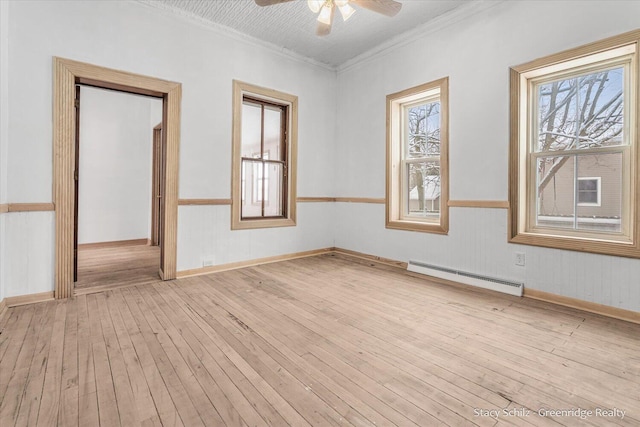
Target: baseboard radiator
492, 283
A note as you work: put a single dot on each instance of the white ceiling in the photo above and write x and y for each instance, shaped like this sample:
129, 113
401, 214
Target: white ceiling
292, 25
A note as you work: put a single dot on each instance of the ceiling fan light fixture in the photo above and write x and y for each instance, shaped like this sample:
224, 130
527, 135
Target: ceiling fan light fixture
315, 5
346, 11
325, 15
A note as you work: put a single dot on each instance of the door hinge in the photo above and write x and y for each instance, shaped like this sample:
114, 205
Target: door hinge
75, 175
76, 103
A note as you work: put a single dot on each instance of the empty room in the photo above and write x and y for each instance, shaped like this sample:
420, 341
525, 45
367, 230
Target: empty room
319, 213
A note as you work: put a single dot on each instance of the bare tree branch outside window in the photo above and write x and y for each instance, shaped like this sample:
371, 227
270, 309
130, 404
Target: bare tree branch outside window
578, 113
424, 142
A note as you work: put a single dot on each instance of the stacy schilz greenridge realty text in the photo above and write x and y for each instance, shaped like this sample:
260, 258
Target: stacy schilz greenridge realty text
581, 413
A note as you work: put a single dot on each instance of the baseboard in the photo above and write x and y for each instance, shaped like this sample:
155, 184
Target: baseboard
250, 263
3, 308
381, 260
100, 245
578, 304
28, 299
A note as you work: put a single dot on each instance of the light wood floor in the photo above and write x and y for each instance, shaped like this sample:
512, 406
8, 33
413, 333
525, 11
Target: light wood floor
117, 265
321, 341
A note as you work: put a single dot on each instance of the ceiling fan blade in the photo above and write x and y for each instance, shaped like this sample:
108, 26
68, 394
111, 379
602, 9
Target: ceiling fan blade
324, 29
385, 7
270, 2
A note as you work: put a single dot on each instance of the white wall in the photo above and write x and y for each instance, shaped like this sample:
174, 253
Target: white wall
141, 39
116, 140
4, 129
476, 53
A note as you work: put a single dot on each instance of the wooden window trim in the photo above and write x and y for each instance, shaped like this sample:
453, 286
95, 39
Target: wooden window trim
629, 246
240, 91
395, 218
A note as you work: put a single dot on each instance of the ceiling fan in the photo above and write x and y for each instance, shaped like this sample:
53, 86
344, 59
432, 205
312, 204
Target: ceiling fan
327, 8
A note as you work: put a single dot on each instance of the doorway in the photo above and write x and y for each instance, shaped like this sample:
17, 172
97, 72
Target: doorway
67, 74
118, 188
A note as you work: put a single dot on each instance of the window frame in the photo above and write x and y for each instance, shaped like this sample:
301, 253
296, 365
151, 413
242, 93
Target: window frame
396, 186
522, 182
242, 90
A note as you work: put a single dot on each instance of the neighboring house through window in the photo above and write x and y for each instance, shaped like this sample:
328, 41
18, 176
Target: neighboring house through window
574, 149
417, 158
264, 157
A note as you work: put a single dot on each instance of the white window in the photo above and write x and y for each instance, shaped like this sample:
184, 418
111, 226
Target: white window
417, 165
264, 157
574, 150
589, 191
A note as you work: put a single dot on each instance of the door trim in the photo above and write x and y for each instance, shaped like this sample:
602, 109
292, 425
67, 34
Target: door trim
156, 189
66, 74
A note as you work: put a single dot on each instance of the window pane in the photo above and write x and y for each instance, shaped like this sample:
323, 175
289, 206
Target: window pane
600, 192
423, 189
251, 173
273, 132
581, 112
423, 130
251, 129
565, 199
274, 178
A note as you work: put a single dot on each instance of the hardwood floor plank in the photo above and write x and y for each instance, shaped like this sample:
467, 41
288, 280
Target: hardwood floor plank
141, 395
117, 266
293, 340
27, 414
68, 412
104, 384
18, 362
179, 395
163, 403
121, 384
255, 409
193, 368
274, 358
253, 370
13, 338
87, 392
51, 389
325, 340
334, 335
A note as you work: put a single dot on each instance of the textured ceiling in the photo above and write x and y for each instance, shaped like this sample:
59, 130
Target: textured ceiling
292, 25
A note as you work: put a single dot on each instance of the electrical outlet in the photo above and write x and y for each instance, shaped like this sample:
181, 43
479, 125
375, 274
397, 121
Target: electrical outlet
520, 259
207, 263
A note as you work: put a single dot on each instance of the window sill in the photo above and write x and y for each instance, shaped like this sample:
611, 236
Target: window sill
597, 246
425, 227
262, 223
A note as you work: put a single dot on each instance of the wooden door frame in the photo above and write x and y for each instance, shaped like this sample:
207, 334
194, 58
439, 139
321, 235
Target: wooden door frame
156, 180
66, 74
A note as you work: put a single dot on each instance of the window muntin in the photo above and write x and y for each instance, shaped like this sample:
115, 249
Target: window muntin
574, 149
417, 193
264, 153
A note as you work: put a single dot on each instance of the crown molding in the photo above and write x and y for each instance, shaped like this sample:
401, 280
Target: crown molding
231, 33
